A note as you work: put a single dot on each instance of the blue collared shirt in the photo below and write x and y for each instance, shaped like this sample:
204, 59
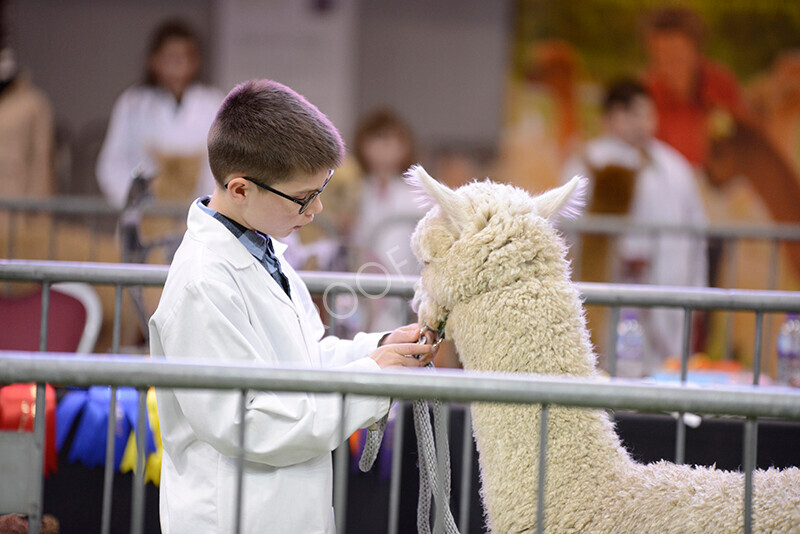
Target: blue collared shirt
256, 243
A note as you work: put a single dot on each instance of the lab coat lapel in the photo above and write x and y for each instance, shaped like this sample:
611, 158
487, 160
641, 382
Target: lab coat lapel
301, 300
274, 286
277, 290
215, 235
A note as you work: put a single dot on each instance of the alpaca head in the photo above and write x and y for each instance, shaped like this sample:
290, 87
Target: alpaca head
483, 236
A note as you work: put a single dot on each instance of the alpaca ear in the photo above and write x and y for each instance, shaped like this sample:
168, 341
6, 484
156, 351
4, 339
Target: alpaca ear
435, 193
565, 202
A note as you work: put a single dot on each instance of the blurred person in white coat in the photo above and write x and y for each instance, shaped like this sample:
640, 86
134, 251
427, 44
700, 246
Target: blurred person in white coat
664, 192
162, 121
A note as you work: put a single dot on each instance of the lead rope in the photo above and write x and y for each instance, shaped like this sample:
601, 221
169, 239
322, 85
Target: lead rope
426, 449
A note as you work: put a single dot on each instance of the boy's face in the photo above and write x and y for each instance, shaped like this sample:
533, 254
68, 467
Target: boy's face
272, 214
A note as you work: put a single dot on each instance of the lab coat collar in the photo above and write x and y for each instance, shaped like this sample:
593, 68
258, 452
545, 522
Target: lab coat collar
215, 236
278, 247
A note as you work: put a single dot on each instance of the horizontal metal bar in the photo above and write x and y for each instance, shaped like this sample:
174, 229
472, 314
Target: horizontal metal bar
372, 284
85, 205
589, 224
617, 225
620, 225
696, 298
444, 384
89, 272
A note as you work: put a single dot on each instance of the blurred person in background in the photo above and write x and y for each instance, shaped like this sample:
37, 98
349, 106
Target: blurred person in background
156, 149
694, 96
158, 127
26, 153
388, 212
26, 133
637, 175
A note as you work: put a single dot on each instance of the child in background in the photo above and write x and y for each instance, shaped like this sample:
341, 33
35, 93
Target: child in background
231, 297
388, 212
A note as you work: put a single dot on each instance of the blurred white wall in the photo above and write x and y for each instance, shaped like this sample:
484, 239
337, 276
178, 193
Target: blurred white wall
441, 64
308, 45
84, 53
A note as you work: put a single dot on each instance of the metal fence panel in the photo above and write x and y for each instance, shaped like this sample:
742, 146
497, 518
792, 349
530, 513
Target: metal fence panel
15, 466
751, 402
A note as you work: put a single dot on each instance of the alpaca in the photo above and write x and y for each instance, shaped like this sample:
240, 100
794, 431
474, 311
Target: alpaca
495, 274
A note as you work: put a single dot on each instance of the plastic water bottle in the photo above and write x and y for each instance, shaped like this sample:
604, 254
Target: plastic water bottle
630, 345
788, 345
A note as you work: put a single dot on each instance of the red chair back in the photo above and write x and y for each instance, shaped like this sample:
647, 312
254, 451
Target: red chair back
20, 317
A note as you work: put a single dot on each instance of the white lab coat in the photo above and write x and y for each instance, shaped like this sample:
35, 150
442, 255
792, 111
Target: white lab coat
147, 120
220, 303
666, 192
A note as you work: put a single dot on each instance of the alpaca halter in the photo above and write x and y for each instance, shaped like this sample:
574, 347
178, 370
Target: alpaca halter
426, 449
423, 332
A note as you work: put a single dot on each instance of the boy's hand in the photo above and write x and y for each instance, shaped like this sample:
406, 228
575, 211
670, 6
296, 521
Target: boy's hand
404, 334
402, 355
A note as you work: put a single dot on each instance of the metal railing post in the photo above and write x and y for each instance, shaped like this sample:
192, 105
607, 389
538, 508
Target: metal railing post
239, 494
680, 431
341, 456
45, 316
137, 491
749, 463
108, 468
40, 414
397, 467
731, 255
12, 234
466, 473
51, 238
757, 347
540, 490
117, 326
612, 341
442, 469
37, 462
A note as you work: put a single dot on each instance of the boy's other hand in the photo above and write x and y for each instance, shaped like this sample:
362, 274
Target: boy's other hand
402, 355
404, 334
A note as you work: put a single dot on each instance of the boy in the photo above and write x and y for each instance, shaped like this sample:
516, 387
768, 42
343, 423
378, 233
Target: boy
230, 297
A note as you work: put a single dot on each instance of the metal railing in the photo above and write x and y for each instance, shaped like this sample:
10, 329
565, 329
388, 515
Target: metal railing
84, 370
92, 213
731, 235
83, 205
750, 402
614, 226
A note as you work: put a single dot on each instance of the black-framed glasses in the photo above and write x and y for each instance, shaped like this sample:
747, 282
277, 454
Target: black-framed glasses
304, 202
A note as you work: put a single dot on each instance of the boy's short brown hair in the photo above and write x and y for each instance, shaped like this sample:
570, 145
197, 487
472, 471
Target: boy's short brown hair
268, 132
